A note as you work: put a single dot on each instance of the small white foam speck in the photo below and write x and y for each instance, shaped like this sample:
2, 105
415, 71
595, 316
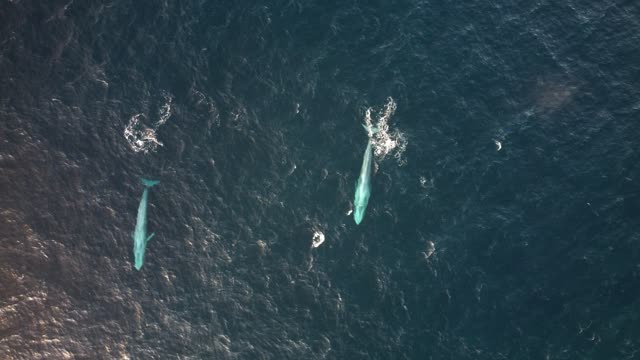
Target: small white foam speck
430, 249
318, 239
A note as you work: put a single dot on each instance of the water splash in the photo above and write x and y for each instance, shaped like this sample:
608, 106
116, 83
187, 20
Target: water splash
139, 136
142, 138
386, 141
318, 238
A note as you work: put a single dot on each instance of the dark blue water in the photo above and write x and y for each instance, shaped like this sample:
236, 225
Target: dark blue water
465, 252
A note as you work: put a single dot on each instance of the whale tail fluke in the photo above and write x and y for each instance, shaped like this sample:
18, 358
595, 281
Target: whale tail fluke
150, 183
370, 129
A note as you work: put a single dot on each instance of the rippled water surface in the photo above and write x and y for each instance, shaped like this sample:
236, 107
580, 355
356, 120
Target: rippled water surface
503, 221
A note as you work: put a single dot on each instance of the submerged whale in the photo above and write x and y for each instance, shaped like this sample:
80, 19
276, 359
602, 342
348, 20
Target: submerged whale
363, 186
140, 237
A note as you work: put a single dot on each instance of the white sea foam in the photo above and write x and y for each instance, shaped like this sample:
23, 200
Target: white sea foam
318, 239
165, 110
140, 136
386, 141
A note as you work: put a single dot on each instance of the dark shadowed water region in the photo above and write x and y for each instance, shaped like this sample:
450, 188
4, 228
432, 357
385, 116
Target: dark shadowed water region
508, 227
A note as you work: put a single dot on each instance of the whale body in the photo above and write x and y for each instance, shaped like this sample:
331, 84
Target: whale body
363, 186
140, 237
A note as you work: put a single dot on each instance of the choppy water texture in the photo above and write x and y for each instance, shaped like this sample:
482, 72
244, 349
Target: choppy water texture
530, 252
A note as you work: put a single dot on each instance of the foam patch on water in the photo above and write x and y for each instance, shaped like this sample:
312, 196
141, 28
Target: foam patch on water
385, 141
142, 137
318, 239
165, 110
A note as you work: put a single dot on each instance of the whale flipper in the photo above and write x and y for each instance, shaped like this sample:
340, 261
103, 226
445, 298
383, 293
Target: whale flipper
149, 183
149, 238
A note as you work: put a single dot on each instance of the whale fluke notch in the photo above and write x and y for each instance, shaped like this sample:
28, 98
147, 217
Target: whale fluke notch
149, 183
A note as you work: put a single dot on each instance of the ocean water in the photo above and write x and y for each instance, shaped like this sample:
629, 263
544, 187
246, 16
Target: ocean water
504, 216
